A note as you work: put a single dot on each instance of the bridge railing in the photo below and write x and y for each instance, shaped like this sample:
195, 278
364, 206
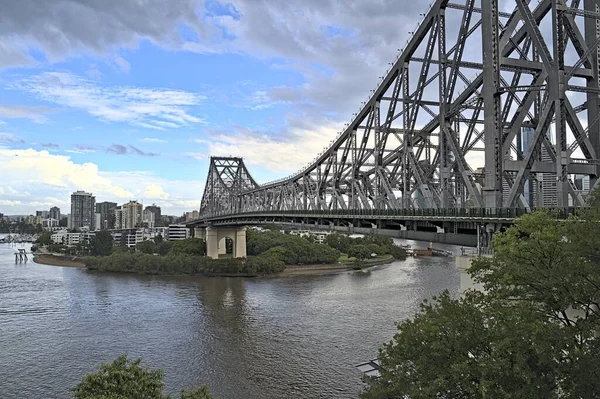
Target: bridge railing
467, 213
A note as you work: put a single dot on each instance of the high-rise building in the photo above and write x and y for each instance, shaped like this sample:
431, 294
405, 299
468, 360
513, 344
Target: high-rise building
548, 180
42, 214
530, 188
148, 218
155, 209
107, 214
54, 213
191, 215
129, 215
83, 206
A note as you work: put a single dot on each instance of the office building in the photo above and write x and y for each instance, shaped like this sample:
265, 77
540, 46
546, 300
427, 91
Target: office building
107, 214
54, 213
129, 215
83, 207
148, 218
155, 209
178, 232
191, 215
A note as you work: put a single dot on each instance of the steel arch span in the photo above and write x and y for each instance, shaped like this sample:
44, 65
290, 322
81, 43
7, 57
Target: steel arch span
485, 107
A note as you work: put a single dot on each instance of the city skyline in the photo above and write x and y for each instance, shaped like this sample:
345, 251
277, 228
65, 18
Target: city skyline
136, 114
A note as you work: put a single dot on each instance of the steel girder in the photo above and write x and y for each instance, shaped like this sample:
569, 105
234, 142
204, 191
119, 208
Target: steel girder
227, 179
471, 79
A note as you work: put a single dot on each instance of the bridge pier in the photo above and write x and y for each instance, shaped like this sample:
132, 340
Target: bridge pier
216, 239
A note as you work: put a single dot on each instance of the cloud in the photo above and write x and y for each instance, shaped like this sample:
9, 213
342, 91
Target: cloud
34, 180
35, 114
60, 29
145, 107
152, 140
81, 149
30, 170
199, 156
121, 63
283, 153
52, 146
7, 138
119, 149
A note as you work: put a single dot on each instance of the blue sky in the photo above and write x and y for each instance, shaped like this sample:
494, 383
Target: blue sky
129, 101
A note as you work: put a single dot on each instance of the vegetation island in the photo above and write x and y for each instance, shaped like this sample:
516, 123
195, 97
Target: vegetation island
269, 252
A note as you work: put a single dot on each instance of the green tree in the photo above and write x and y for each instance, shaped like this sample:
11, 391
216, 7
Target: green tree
534, 332
126, 379
360, 252
44, 238
101, 244
147, 247
190, 246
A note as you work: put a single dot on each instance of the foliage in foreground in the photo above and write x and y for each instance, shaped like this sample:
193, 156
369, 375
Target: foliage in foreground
126, 379
184, 264
522, 338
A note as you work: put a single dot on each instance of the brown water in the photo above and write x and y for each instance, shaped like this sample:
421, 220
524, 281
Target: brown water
291, 337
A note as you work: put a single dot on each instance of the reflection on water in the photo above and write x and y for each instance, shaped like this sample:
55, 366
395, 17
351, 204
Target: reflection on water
246, 338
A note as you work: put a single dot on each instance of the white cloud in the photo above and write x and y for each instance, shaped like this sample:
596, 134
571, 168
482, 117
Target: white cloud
35, 114
7, 138
146, 107
152, 140
38, 179
121, 63
278, 154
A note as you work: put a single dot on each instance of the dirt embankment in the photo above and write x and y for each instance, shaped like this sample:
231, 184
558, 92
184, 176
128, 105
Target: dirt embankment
52, 260
298, 270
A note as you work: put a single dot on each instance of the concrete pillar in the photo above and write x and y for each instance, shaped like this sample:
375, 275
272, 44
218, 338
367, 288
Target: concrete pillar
223, 246
200, 232
212, 243
239, 246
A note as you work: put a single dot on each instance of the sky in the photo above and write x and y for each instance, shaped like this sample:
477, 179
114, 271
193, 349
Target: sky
128, 99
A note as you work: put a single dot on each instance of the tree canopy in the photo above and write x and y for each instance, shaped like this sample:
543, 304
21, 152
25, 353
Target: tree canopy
532, 333
101, 244
126, 379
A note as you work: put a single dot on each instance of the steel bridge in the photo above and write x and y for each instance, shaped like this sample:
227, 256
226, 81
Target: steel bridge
489, 111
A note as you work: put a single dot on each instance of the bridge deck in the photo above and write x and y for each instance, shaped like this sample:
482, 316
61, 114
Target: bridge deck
478, 215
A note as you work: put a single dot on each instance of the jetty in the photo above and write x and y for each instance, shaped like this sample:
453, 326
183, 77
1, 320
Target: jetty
21, 256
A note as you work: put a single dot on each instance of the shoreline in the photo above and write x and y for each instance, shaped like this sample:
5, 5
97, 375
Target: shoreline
289, 271
61, 261
311, 270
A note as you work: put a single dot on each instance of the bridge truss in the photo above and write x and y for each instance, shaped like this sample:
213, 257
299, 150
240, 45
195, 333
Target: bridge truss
485, 107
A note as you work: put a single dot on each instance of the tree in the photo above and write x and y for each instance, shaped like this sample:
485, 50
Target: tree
190, 246
44, 238
534, 332
147, 247
126, 379
101, 244
360, 252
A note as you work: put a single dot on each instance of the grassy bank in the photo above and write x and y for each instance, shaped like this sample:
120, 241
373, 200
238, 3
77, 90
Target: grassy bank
342, 266
52, 260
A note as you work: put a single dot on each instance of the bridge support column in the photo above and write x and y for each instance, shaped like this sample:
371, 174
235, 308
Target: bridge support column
212, 243
239, 246
223, 246
200, 232
216, 241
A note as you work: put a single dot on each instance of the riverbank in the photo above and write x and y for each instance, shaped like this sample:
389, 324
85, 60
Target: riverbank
304, 270
64, 261
289, 271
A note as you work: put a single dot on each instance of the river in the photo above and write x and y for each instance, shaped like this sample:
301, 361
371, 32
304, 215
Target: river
288, 337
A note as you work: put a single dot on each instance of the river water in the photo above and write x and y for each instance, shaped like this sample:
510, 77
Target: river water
288, 337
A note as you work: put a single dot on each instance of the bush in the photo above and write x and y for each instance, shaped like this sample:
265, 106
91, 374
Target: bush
172, 264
